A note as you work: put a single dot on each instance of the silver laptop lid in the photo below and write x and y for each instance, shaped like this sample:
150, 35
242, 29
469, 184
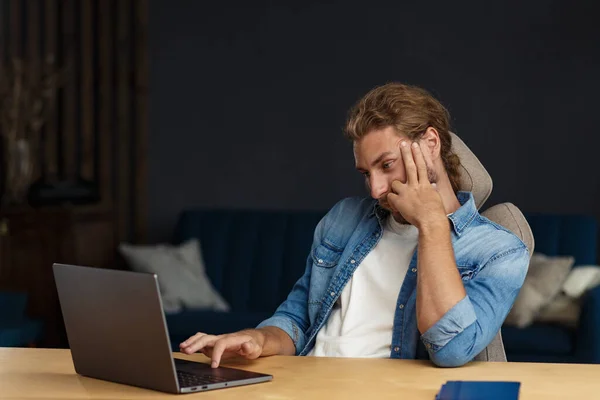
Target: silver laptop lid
115, 326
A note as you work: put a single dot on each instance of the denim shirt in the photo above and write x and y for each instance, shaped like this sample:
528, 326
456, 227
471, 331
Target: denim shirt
491, 260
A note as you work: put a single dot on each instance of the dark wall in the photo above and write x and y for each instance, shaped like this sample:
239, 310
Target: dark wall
248, 101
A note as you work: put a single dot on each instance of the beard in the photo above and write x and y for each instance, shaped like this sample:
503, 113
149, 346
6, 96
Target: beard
433, 178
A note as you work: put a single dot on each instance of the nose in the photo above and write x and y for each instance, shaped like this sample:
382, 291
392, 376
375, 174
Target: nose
378, 185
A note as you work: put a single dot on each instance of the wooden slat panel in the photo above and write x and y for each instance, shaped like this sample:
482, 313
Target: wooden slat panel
69, 97
87, 96
141, 132
124, 93
49, 136
33, 36
105, 114
15, 29
33, 56
3, 31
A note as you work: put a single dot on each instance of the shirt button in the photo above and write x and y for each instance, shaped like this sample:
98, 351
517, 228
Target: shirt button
401, 306
377, 234
332, 294
352, 261
320, 260
414, 270
396, 349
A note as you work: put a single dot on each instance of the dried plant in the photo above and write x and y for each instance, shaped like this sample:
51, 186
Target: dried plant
27, 100
27, 97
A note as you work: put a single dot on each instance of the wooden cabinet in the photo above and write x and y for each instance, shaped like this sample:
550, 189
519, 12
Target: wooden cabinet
32, 240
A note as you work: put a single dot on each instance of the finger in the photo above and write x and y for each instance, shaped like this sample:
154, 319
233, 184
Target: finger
249, 350
409, 163
206, 340
246, 348
191, 339
420, 162
392, 198
229, 343
218, 350
185, 347
397, 186
208, 352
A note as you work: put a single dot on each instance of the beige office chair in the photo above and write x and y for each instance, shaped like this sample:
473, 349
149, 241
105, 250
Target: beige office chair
474, 178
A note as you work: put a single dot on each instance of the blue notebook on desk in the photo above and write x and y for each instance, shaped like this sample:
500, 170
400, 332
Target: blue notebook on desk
479, 390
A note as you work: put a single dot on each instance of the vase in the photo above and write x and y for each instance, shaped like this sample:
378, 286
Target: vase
18, 171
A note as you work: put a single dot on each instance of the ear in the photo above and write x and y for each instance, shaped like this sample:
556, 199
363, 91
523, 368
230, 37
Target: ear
431, 139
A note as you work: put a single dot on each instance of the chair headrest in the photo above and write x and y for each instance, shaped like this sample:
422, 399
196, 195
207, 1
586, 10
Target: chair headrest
473, 176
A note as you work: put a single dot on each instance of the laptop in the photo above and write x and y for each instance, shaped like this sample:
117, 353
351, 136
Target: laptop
117, 332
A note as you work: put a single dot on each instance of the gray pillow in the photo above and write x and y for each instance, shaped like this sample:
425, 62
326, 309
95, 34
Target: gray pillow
181, 275
563, 310
543, 282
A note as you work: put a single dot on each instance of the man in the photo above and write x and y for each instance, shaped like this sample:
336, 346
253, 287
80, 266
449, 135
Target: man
414, 272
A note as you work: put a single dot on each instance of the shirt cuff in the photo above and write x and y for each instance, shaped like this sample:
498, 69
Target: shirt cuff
456, 320
286, 325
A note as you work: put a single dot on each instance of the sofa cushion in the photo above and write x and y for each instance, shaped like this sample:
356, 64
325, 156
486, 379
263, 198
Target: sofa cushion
181, 274
544, 279
538, 339
580, 280
563, 310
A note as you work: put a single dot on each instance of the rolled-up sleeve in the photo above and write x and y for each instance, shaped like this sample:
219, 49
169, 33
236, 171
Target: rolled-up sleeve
468, 327
456, 320
292, 315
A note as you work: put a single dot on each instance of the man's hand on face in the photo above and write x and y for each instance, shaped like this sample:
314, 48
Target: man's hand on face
248, 344
417, 200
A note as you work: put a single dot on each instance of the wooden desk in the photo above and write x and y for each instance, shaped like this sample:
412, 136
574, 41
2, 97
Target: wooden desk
49, 373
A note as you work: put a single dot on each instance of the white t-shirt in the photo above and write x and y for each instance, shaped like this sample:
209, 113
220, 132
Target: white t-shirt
361, 322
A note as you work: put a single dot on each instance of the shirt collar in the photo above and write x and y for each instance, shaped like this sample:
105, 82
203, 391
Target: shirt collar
460, 218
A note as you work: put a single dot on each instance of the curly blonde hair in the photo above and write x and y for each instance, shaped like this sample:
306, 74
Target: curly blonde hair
410, 110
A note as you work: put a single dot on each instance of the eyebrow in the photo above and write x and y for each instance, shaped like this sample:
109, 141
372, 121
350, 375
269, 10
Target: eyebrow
377, 160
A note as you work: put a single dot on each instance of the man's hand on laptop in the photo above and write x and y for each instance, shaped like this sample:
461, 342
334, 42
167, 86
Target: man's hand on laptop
247, 343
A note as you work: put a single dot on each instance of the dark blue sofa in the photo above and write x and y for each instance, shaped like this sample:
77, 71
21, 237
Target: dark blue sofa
16, 329
254, 258
574, 235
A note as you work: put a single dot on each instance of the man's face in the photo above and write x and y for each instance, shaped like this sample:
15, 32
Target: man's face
379, 159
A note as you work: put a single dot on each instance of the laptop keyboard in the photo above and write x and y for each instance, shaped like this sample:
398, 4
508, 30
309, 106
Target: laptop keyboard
187, 380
